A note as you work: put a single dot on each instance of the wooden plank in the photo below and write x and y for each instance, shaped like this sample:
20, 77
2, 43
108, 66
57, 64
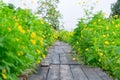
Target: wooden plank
78, 73
55, 59
70, 61
54, 73
40, 74
90, 73
63, 59
102, 74
65, 73
36, 77
48, 60
67, 59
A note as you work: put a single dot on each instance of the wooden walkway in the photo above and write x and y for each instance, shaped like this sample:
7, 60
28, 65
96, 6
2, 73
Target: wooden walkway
59, 65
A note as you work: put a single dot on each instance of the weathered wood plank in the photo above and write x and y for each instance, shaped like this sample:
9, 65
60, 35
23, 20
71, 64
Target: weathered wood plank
54, 73
55, 59
36, 77
48, 60
90, 73
63, 59
102, 74
67, 59
65, 73
78, 73
41, 74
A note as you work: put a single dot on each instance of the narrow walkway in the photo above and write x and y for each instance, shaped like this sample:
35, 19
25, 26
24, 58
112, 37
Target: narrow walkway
59, 66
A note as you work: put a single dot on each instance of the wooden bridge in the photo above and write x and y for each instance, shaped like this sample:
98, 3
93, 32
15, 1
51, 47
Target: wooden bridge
59, 65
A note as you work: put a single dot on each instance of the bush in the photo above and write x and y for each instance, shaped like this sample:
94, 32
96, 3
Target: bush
65, 36
24, 40
98, 43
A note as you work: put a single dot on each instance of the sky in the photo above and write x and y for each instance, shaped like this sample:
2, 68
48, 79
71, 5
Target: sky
71, 10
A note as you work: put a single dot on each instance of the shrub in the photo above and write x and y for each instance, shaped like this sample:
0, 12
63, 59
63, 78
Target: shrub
65, 35
24, 40
97, 43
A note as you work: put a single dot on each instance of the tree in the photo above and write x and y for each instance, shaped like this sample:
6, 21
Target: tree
115, 8
11, 6
48, 11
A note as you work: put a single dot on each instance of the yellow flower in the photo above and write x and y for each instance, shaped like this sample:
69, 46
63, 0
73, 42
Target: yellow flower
116, 26
33, 41
4, 76
104, 35
44, 56
9, 29
4, 70
86, 49
17, 39
106, 42
100, 54
73, 59
99, 20
107, 28
94, 23
113, 22
22, 31
40, 38
33, 35
38, 51
20, 28
38, 61
113, 42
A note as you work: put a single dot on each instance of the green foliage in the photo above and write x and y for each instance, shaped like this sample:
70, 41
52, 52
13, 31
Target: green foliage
65, 36
97, 43
116, 8
24, 40
48, 10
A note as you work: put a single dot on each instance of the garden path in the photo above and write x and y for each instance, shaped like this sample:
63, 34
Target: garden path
59, 65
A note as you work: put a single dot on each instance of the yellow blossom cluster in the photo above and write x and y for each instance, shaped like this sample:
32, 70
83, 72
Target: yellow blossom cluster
21, 29
4, 74
44, 56
38, 51
106, 42
33, 41
33, 35
86, 49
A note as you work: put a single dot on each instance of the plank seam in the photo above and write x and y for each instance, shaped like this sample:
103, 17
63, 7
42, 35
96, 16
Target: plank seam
84, 73
71, 72
47, 73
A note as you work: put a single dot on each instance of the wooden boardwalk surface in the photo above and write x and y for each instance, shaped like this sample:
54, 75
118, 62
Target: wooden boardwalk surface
59, 65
